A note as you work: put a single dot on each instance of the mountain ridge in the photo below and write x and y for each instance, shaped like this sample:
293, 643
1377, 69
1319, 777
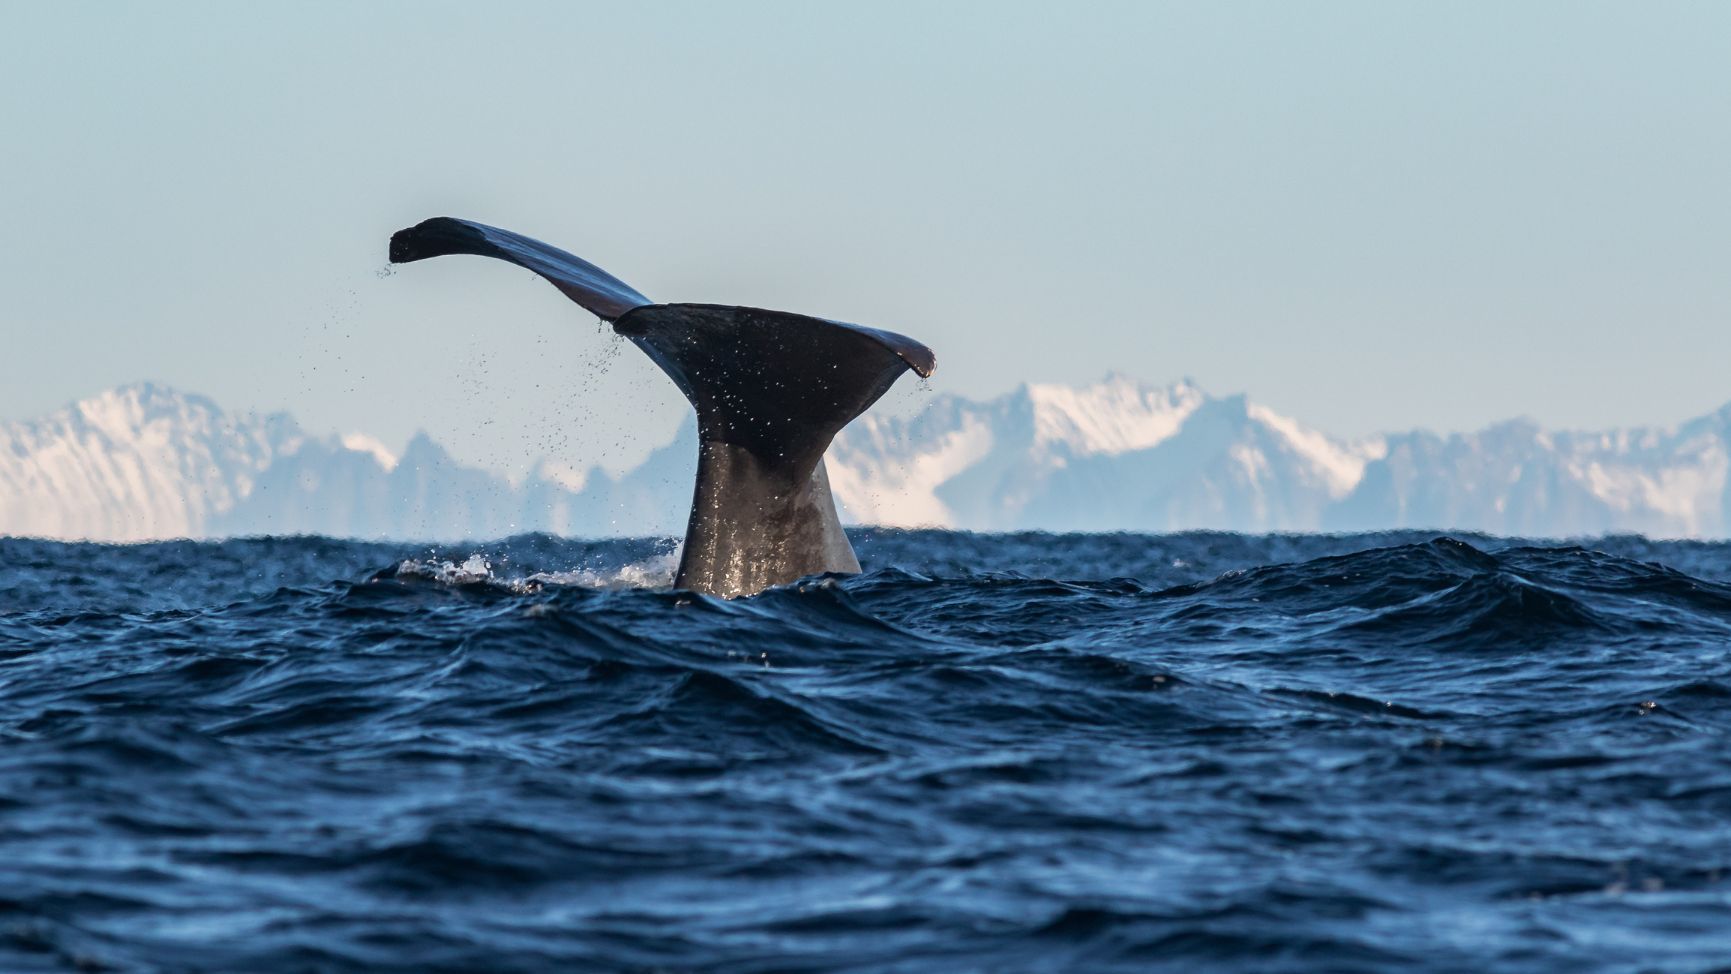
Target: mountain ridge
145, 461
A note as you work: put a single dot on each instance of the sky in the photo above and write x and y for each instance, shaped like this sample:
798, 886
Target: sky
1370, 216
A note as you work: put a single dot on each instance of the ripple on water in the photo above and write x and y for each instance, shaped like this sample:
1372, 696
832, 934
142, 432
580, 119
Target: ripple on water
1011, 752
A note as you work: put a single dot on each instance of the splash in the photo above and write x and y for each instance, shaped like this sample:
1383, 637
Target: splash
651, 573
474, 570
654, 572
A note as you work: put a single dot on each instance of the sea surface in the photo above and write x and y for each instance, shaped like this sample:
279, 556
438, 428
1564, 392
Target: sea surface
1027, 752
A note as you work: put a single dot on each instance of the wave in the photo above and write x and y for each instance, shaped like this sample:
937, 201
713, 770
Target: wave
1019, 752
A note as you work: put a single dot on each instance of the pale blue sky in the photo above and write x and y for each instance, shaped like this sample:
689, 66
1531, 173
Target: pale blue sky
1367, 215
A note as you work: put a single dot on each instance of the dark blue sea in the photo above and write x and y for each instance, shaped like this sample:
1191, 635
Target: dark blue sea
987, 753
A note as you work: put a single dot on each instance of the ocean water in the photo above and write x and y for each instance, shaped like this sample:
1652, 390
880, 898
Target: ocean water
986, 753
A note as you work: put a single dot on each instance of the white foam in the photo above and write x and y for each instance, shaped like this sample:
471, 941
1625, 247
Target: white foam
475, 569
654, 572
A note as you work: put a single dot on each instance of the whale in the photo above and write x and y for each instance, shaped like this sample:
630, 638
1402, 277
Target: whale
771, 389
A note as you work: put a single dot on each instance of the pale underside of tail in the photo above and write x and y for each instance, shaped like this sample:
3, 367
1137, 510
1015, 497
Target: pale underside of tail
771, 390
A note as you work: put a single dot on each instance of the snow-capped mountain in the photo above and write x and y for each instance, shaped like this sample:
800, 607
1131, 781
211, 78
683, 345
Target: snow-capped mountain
1518, 479
133, 463
1116, 455
145, 462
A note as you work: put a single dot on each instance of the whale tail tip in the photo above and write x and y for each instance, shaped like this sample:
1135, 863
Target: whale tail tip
771, 390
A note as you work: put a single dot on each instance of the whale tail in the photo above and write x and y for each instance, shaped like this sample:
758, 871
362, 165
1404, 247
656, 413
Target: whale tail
771, 390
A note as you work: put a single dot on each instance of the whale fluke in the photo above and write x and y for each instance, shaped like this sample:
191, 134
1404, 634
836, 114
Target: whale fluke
771, 390
590, 286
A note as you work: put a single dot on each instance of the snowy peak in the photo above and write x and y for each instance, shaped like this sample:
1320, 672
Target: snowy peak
141, 461
1115, 415
1110, 455
364, 443
145, 461
1339, 465
962, 463
1122, 455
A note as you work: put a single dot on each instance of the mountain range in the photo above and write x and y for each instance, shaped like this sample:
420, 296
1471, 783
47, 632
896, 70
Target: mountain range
144, 461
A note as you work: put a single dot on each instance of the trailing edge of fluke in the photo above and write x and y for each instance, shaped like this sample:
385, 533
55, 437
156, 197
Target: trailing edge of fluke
771, 390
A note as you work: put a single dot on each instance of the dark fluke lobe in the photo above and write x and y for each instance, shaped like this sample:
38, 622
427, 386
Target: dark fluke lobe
771, 390
583, 282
